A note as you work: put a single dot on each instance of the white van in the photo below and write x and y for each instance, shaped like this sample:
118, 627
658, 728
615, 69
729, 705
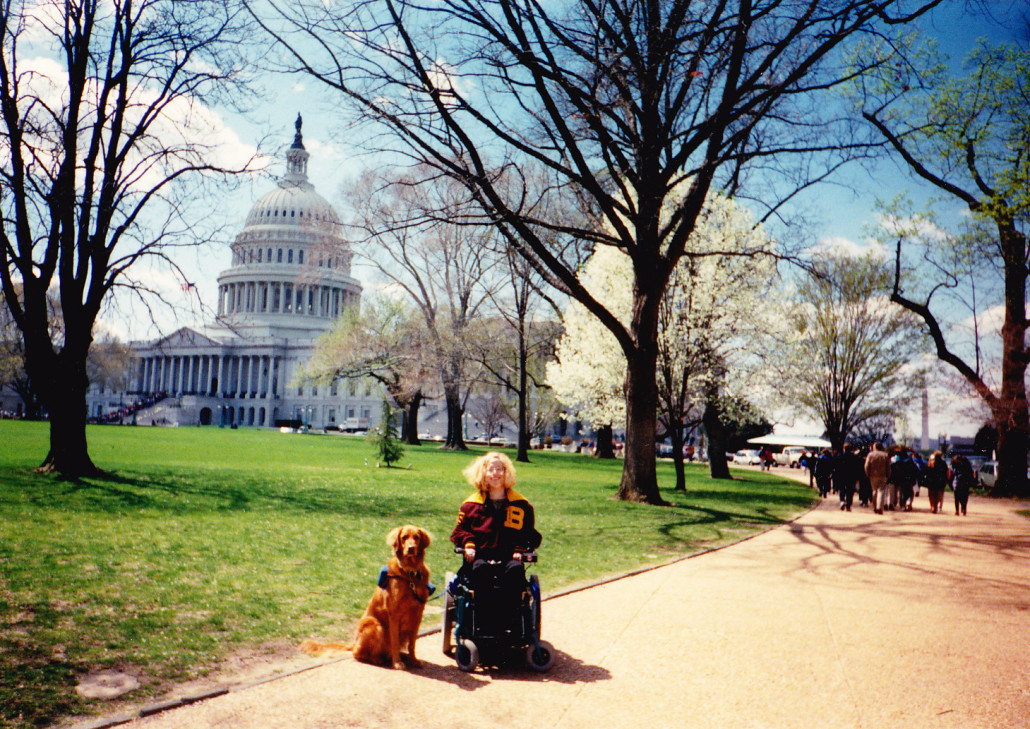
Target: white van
789, 456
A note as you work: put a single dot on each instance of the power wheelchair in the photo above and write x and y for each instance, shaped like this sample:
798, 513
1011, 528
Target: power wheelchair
486, 626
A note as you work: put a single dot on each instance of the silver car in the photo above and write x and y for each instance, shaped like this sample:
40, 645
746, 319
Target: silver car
747, 458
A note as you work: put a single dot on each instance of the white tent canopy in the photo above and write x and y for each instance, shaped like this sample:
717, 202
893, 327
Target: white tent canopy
804, 441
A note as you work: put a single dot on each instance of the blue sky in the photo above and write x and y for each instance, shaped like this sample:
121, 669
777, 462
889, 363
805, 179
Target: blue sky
846, 205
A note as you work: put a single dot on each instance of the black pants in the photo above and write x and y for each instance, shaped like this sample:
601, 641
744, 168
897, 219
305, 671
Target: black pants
498, 590
961, 497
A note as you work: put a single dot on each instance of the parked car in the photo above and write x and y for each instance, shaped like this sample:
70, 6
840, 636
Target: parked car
987, 474
747, 458
789, 456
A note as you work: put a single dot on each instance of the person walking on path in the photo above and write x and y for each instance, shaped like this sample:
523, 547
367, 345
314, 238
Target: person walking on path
905, 474
824, 472
935, 478
961, 482
845, 476
865, 493
878, 469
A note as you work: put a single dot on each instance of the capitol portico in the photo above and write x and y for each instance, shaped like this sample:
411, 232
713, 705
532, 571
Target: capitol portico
288, 281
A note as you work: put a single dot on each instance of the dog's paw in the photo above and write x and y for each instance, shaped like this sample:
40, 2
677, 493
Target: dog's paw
398, 664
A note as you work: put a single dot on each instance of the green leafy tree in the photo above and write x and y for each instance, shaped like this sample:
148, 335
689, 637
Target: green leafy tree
967, 136
382, 340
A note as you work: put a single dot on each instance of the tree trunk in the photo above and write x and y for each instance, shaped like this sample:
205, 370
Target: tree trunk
523, 438
605, 448
410, 428
65, 400
639, 478
1012, 448
1014, 425
455, 437
717, 465
676, 438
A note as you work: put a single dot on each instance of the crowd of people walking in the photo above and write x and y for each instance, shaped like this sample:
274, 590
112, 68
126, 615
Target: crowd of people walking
889, 480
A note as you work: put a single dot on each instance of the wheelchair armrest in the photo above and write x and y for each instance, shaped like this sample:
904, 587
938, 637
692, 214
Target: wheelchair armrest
528, 556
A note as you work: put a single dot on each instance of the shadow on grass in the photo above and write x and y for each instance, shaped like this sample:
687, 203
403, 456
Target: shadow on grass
36, 686
175, 494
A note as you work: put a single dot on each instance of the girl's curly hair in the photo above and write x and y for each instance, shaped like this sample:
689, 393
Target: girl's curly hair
475, 472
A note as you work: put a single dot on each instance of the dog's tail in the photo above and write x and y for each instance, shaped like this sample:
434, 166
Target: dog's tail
314, 648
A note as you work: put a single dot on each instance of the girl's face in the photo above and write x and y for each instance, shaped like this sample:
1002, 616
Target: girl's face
495, 474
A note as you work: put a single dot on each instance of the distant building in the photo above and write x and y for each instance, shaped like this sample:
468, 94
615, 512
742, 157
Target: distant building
289, 280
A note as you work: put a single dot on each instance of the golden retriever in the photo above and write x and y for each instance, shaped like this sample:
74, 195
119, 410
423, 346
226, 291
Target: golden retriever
394, 614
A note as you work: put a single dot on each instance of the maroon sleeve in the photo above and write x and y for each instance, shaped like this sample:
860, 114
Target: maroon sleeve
462, 533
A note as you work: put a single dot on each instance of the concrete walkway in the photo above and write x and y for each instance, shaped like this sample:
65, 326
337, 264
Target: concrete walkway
840, 619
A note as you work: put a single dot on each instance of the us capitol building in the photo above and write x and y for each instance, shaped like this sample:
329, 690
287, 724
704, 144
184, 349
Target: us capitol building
288, 282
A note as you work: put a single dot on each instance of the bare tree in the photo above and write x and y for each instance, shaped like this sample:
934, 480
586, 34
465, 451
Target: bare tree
421, 238
514, 353
105, 139
12, 354
625, 103
854, 358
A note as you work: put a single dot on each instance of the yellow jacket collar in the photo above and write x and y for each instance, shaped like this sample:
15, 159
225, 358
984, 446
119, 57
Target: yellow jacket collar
480, 498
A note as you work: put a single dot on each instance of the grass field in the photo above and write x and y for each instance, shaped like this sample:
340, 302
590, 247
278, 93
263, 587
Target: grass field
203, 541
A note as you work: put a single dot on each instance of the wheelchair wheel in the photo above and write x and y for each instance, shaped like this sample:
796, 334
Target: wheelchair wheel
467, 655
540, 657
448, 617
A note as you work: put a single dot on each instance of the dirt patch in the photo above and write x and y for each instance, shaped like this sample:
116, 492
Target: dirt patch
107, 684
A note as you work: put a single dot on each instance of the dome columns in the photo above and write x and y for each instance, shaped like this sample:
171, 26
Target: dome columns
325, 301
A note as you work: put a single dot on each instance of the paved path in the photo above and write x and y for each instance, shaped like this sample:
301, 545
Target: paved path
910, 620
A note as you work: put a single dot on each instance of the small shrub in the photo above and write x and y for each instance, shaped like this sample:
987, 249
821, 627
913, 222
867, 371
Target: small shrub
385, 437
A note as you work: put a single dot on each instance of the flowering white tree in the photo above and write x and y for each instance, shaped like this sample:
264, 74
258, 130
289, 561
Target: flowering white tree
715, 312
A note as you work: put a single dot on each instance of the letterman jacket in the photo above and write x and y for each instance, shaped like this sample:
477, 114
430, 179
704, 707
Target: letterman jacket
496, 531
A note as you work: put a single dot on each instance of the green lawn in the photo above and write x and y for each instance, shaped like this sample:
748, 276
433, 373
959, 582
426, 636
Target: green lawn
206, 540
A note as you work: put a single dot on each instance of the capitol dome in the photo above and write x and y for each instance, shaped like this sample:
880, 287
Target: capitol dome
290, 263
293, 204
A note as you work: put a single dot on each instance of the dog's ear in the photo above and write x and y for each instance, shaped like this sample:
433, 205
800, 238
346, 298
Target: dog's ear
393, 538
425, 538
